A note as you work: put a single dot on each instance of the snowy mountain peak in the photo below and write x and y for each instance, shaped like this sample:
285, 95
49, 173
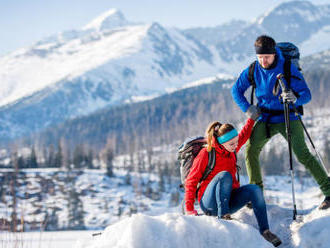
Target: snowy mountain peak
111, 19
155, 29
111, 60
291, 9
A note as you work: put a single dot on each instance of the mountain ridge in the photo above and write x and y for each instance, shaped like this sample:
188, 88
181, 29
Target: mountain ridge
85, 70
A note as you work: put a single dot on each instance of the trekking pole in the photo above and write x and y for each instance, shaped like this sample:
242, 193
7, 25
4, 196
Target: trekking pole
288, 133
310, 139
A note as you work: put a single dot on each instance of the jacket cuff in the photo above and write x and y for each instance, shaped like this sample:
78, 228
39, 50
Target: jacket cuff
250, 121
190, 206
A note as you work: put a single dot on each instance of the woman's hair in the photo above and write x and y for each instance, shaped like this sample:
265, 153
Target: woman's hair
216, 129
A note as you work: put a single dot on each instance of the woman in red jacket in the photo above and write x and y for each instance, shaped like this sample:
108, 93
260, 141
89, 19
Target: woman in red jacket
220, 193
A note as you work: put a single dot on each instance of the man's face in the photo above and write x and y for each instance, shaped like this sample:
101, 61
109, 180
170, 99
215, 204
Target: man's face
266, 60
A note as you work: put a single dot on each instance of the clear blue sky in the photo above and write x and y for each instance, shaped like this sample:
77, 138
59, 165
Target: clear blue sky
23, 22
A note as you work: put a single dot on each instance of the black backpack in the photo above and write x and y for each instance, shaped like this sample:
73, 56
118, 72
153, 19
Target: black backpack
187, 152
291, 54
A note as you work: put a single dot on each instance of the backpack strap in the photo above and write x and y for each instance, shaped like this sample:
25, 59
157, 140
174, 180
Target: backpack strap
210, 165
288, 76
208, 169
287, 71
238, 168
251, 79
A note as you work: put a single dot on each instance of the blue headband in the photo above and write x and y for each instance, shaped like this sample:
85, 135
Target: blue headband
227, 136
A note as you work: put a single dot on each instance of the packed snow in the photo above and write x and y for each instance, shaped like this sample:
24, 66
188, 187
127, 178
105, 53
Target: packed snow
175, 230
167, 227
171, 229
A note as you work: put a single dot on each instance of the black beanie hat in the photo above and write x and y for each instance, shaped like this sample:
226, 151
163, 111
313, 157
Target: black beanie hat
265, 50
265, 45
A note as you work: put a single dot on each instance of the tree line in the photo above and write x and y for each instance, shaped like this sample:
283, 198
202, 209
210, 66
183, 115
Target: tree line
168, 119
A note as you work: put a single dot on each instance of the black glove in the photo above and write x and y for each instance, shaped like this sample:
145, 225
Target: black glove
253, 112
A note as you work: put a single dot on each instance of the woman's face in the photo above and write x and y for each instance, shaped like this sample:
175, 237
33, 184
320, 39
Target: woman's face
231, 145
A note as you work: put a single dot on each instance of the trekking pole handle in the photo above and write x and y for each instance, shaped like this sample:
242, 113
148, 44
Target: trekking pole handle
280, 77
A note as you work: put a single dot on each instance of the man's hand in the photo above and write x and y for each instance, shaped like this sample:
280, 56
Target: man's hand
289, 97
253, 112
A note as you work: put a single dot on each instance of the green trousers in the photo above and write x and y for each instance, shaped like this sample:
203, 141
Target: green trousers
259, 138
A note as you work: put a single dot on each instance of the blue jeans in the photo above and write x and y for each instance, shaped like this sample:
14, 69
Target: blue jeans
219, 199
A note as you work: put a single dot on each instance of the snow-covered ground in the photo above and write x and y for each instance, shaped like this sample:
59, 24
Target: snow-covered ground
64, 239
175, 230
171, 229
168, 228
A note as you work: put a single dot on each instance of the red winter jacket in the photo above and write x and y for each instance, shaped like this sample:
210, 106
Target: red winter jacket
224, 161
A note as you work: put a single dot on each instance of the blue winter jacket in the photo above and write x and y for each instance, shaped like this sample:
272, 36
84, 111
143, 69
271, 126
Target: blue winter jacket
265, 80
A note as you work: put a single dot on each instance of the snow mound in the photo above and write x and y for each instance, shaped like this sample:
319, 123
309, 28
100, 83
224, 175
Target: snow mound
313, 231
173, 230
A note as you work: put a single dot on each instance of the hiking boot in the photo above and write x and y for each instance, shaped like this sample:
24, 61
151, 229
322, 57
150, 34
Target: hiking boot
271, 237
325, 204
226, 217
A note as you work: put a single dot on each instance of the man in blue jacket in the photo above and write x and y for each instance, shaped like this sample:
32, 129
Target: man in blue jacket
270, 63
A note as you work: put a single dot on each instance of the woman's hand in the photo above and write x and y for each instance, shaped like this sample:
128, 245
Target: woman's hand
193, 212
